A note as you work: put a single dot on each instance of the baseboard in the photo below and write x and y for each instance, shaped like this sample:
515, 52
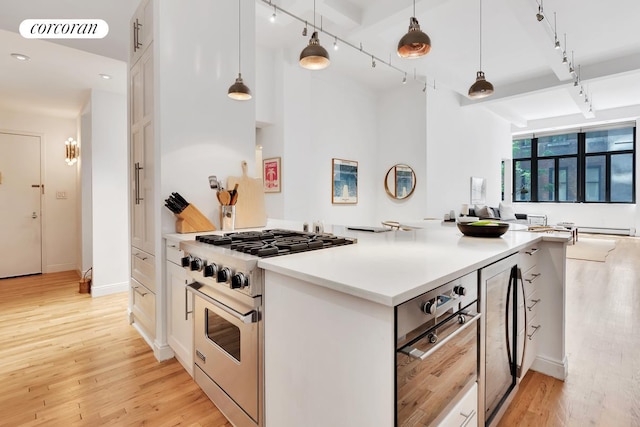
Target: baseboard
57, 268
113, 288
162, 352
550, 367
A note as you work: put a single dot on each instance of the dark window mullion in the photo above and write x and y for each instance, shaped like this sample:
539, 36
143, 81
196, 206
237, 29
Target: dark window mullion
582, 176
534, 170
607, 178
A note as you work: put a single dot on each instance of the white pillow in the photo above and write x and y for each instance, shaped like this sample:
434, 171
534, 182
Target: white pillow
506, 212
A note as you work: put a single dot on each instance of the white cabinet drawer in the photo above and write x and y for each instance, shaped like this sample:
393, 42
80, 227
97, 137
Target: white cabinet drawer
143, 268
174, 253
531, 278
465, 413
143, 307
528, 257
531, 346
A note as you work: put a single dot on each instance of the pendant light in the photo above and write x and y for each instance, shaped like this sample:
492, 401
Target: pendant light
481, 88
415, 43
314, 56
239, 91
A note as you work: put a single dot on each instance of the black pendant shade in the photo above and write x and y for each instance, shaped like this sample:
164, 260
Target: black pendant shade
239, 91
481, 88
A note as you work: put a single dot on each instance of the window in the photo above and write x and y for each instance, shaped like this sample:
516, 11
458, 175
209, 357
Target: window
595, 166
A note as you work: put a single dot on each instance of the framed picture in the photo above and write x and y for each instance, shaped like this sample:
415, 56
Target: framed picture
344, 188
478, 191
272, 173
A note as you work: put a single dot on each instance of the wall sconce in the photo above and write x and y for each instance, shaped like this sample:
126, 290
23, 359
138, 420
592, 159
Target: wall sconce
71, 151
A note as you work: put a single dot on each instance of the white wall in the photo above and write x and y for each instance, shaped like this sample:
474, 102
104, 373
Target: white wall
461, 143
201, 131
402, 138
59, 219
109, 193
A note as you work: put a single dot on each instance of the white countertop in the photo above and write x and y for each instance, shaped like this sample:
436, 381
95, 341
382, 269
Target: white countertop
392, 267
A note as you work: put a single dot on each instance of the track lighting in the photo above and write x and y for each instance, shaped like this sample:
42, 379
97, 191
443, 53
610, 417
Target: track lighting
273, 16
481, 88
571, 69
404, 79
373, 62
415, 43
424, 89
556, 43
335, 44
314, 56
239, 91
540, 14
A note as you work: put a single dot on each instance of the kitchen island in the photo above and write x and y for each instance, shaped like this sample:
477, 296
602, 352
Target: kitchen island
330, 316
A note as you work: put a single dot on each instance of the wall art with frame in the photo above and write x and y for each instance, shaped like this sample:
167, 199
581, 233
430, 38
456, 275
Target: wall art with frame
272, 174
344, 188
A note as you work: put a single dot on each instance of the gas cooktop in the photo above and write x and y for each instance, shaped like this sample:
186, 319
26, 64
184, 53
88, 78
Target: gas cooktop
276, 242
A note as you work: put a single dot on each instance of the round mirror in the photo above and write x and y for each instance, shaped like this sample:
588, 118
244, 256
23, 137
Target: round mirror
400, 181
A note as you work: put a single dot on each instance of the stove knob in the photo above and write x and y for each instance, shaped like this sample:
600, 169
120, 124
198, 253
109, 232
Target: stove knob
186, 261
210, 270
196, 264
429, 307
460, 290
224, 274
239, 281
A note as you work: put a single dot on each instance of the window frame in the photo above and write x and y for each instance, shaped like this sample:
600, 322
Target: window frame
581, 160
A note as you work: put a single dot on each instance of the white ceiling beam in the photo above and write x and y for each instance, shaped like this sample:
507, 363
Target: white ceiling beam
603, 70
541, 34
343, 13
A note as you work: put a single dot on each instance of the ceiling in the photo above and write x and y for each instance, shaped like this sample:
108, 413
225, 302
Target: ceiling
518, 56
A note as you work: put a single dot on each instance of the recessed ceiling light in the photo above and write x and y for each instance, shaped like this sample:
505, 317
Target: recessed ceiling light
105, 76
20, 56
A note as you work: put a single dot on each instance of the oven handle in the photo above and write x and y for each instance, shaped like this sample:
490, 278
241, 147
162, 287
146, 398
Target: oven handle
248, 318
422, 355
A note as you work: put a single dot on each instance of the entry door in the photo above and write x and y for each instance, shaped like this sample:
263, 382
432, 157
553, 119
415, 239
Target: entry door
20, 198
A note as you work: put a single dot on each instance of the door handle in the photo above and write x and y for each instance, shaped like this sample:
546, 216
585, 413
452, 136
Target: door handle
34, 215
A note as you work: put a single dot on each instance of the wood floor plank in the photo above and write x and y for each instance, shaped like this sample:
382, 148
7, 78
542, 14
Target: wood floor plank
69, 359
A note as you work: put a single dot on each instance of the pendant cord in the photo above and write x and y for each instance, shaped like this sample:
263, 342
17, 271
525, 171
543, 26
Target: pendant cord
480, 35
239, 38
414, 8
314, 15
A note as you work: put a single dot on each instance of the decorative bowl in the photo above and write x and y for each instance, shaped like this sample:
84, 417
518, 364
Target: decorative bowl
483, 228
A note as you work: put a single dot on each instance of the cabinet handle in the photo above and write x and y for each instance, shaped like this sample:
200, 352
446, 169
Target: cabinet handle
467, 418
137, 44
535, 329
142, 294
186, 303
533, 277
136, 175
143, 258
535, 301
531, 251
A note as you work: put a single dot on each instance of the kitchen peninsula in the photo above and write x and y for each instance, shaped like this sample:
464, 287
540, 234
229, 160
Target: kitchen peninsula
330, 349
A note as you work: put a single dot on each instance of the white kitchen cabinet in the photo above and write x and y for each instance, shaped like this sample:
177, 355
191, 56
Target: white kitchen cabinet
530, 304
141, 30
144, 304
142, 154
180, 306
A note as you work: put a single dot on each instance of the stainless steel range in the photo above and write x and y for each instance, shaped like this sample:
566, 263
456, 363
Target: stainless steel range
228, 316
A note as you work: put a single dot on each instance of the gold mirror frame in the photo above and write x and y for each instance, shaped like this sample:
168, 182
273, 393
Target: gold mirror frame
400, 181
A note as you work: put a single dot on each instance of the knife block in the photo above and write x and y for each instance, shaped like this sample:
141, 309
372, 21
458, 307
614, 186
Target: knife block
191, 220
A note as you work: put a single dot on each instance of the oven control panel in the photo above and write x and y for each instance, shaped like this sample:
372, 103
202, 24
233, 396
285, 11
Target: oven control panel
223, 270
437, 303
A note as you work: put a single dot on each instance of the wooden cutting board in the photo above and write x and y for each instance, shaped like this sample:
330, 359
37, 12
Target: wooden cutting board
250, 210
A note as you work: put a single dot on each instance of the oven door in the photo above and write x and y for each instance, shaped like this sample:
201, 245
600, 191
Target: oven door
226, 349
436, 369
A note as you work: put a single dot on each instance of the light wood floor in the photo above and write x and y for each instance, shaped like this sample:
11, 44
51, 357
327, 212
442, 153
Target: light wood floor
68, 359
602, 345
